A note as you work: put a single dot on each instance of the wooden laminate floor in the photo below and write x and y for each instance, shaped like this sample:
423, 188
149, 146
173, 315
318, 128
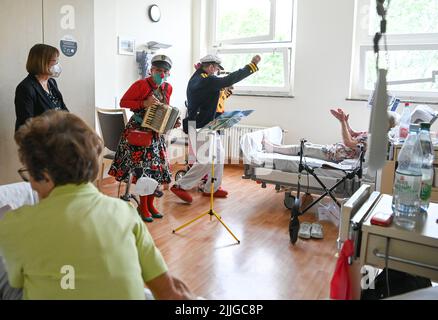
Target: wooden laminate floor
263, 266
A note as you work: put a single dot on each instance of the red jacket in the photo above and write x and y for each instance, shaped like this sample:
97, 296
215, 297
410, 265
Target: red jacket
140, 90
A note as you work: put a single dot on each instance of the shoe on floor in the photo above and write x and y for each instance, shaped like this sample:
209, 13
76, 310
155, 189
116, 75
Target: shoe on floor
316, 231
304, 231
220, 193
182, 194
154, 212
157, 215
144, 217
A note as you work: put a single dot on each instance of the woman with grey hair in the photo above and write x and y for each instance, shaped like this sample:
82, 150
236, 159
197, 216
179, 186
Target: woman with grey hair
77, 243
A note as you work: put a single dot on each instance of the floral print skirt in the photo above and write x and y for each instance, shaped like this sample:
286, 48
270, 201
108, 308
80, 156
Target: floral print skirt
149, 161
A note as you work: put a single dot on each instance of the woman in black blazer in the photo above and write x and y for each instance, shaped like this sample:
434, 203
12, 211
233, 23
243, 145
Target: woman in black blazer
38, 92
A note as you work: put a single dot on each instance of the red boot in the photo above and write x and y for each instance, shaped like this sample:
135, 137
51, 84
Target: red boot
152, 209
143, 210
220, 193
182, 194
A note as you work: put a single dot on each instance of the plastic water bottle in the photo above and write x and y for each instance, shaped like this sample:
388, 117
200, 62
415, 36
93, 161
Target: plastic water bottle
427, 167
407, 184
405, 121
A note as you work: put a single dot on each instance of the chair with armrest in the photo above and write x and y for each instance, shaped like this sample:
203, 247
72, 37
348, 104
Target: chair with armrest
112, 123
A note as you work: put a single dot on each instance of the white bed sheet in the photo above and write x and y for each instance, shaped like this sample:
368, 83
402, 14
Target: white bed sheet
251, 143
287, 163
17, 194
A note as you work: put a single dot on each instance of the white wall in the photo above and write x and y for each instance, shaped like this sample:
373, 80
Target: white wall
77, 79
324, 38
105, 47
115, 73
26, 17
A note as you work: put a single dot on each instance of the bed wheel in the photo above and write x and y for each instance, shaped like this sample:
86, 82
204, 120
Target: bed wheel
294, 227
289, 200
179, 174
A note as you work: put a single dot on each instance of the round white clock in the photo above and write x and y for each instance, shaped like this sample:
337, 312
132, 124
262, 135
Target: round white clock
154, 13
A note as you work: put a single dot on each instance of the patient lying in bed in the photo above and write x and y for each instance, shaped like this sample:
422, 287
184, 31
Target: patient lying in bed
328, 152
349, 148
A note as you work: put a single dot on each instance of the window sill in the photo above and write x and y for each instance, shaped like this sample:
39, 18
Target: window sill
265, 95
415, 101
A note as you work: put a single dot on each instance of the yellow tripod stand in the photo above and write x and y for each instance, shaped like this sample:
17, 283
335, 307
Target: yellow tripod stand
211, 211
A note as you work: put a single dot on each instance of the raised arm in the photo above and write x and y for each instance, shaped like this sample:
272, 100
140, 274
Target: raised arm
353, 133
347, 138
341, 115
217, 83
348, 135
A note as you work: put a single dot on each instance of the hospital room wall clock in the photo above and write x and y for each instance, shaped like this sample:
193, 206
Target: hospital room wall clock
154, 13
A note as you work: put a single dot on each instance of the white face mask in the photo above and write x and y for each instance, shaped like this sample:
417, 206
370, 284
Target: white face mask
55, 70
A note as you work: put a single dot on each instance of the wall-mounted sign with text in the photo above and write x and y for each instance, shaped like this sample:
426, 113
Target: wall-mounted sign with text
69, 46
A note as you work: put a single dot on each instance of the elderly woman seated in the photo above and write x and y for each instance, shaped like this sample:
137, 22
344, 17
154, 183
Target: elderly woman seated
77, 243
349, 148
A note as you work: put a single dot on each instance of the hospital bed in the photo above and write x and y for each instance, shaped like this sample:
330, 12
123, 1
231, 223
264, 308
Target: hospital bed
289, 173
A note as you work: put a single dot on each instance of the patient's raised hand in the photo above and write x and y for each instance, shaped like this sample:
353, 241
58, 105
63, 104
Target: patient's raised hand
336, 114
339, 114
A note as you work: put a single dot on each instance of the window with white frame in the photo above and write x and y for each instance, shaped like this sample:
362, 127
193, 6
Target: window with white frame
244, 28
412, 49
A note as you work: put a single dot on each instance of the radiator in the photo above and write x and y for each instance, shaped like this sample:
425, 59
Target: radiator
231, 141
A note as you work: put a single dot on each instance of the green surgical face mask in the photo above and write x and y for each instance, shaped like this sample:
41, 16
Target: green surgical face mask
157, 78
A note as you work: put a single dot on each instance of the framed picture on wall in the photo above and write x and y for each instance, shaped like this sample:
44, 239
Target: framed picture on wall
126, 46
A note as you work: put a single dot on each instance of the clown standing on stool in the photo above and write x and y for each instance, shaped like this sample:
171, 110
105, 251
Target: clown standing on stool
203, 93
145, 161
